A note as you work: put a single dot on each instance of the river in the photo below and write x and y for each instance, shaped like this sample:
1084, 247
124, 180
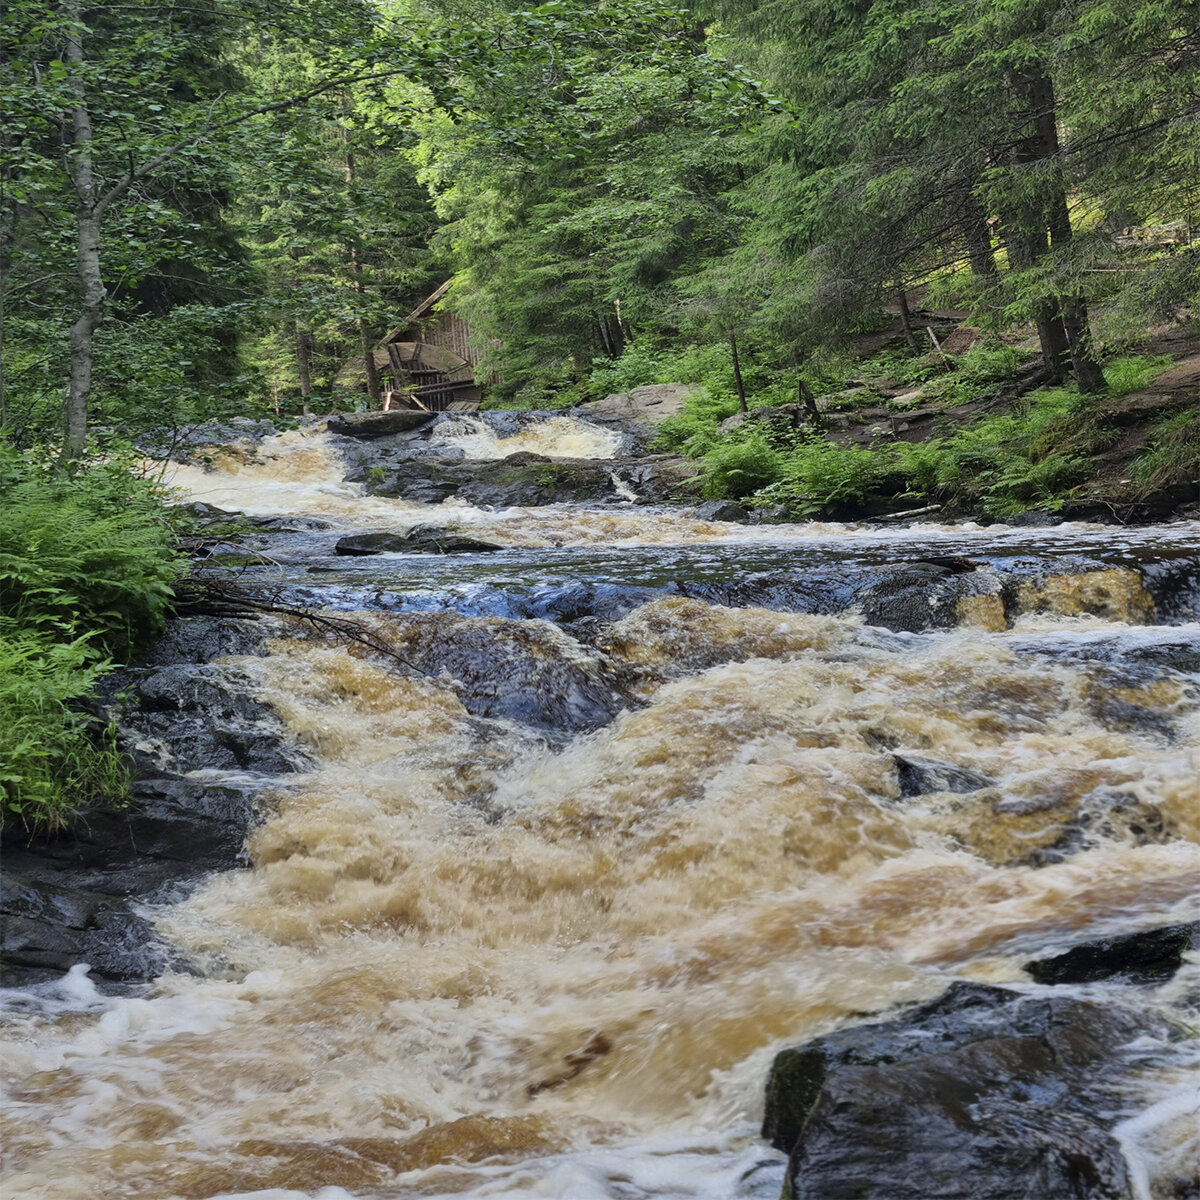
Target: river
548, 947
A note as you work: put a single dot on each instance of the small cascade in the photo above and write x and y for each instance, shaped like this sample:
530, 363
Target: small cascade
552, 436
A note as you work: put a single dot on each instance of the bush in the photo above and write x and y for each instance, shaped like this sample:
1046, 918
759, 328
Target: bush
86, 554
86, 568
735, 469
819, 475
54, 760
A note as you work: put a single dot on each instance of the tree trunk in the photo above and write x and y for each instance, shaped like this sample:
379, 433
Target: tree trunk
906, 320
737, 372
979, 245
1089, 374
304, 364
87, 251
365, 340
1056, 217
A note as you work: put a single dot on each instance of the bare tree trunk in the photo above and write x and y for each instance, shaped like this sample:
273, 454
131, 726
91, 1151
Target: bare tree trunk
979, 245
1088, 372
737, 371
906, 319
365, 340
1071, 311
87, 250
1024, 249
304, 364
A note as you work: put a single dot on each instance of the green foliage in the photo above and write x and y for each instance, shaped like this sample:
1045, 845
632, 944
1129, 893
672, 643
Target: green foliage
55, 759
86, 568
1029, 457
1172, 454
90, 554
1132, 374
733, 470
819, 476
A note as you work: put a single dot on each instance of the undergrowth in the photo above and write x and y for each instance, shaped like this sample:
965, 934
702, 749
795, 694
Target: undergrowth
1172, 454
86, 574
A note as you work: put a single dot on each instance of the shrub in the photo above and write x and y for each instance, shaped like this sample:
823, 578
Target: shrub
86, 568
54, 759
819, 475
90, 553
735, 469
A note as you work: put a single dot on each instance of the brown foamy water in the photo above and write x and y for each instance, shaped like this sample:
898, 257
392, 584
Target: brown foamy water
467, 962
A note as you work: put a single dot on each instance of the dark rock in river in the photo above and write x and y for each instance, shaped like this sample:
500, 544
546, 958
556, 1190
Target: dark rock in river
422, 539
521, 480
75, 895
204, 717
526, 671
921, 776
1152, 956
199, 640
982, 1094
378, 424
722, 510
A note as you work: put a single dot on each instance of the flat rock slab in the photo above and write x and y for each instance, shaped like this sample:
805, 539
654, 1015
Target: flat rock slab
423, 539
654, 402
982, 1094
379, 424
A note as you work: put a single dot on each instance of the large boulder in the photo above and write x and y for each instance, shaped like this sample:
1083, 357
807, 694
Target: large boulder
650, 404
379, 424
525, 671
982, 1094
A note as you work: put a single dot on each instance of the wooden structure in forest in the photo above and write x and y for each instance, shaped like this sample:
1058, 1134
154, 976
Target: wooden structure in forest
428, 361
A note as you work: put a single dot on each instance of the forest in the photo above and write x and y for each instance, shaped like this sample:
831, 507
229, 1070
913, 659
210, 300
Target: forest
209, 211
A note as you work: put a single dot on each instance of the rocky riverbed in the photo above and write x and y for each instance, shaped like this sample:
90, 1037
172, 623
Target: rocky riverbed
577, 834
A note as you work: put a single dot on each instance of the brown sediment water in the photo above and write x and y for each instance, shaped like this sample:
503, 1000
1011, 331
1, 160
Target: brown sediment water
470, 960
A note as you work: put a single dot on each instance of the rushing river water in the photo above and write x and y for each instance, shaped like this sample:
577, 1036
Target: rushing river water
474, 957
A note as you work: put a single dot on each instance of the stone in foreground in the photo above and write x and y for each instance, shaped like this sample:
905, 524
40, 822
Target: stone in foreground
982, 1094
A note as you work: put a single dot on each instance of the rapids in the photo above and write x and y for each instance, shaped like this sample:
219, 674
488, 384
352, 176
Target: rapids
476, 956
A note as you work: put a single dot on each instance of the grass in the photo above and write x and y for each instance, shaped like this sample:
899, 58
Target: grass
1172, 454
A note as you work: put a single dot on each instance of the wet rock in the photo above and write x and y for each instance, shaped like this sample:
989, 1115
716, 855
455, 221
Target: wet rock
191, 718
44, 931
1151, 956
199, 640
292, 524
525, 671
422, 539
1051, 826
982, 1094
74, 896
921, 776
721, 510
378, 424
1035, 518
